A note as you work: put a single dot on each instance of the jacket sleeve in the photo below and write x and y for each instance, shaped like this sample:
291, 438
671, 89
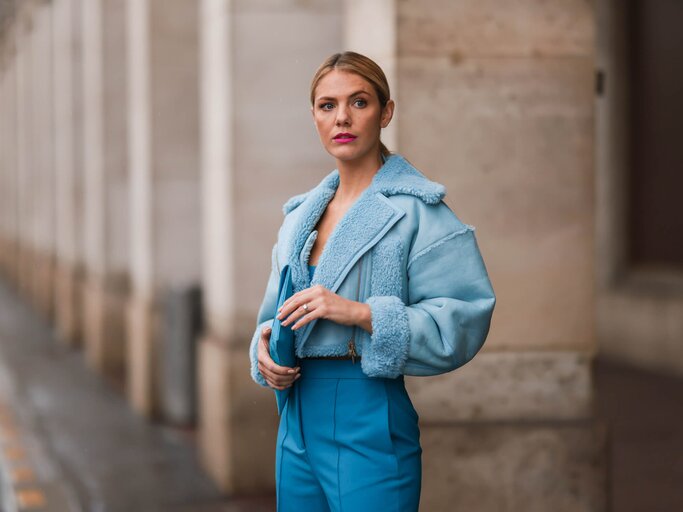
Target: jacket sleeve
447, 318
264, 317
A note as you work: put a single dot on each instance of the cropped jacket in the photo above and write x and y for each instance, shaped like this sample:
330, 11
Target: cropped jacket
400, 249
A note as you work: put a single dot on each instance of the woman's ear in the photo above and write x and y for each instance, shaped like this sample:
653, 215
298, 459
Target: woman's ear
387, 113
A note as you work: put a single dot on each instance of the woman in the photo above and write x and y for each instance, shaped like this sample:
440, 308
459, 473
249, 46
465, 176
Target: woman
387, 282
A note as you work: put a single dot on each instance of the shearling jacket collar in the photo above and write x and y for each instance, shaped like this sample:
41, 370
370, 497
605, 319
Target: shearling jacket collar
396, 176
362, 226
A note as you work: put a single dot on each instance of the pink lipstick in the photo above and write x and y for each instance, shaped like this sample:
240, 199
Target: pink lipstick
345, 137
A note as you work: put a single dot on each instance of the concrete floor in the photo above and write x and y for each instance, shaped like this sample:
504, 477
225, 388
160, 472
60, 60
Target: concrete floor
86, 450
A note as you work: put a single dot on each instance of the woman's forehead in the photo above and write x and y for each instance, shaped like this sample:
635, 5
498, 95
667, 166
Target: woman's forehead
339, 83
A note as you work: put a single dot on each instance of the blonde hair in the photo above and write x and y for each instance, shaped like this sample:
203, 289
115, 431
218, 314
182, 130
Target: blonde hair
361, 65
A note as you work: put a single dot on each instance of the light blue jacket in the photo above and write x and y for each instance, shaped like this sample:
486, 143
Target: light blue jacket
401, 250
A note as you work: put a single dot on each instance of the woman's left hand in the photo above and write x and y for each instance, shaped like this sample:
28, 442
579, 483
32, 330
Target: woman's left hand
322, 303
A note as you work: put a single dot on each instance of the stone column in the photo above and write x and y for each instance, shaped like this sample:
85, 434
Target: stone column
105, 236
7, 145
164, 176
67, 304
252, 89
41, 186
639, 307
24, 107
8, 142
4, 182
496, 103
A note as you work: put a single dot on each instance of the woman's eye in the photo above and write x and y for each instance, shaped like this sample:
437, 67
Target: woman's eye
324, 105
362, 101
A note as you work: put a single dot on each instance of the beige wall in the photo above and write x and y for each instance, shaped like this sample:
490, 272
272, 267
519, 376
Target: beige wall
497, 104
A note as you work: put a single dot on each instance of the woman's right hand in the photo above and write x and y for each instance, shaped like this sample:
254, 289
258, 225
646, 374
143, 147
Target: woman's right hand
278, 377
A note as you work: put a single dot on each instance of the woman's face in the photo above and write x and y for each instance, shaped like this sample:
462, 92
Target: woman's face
346, 103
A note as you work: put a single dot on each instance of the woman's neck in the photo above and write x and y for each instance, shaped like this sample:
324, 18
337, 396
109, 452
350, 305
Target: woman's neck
355, 176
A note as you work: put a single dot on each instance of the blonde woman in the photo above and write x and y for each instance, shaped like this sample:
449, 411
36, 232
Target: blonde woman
387, 282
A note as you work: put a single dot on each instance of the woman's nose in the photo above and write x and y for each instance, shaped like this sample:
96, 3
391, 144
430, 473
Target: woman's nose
342, 115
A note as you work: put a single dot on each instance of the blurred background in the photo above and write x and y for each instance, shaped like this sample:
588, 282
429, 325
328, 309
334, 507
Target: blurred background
146, 148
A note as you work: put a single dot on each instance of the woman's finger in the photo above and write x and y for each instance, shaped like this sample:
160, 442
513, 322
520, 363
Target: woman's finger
276, 385
300, 312
275, 379
297, 300
271, 366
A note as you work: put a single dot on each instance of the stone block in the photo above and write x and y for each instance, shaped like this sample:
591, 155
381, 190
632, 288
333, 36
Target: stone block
554, 28
44, 283
512, 141
237, 421
628, 317
508, 386
142, 322
25, 271
104, 325
68, 304
530, 467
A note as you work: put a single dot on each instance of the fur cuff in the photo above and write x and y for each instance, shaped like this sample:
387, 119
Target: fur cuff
253, 354
386, 353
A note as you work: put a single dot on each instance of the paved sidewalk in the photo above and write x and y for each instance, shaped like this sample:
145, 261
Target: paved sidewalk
70, 442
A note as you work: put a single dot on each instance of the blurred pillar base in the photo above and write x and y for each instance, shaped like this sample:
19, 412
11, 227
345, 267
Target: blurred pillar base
41, 282
237, 420
512, 431
489, 467
104, 326
10, 260
142, 320
69, 303
24, 270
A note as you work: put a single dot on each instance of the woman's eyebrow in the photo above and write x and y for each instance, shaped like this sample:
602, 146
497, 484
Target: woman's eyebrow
350, 95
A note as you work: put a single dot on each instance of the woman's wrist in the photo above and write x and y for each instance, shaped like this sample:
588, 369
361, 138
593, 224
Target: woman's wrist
363, 316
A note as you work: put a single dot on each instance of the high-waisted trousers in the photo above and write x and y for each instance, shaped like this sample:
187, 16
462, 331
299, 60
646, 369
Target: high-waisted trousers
347, 442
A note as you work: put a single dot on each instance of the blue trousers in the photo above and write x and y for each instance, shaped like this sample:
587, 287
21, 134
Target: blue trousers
347, 443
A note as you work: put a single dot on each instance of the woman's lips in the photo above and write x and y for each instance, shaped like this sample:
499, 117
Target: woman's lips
344, 140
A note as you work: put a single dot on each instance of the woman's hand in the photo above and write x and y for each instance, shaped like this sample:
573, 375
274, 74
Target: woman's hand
322, 303
278, 377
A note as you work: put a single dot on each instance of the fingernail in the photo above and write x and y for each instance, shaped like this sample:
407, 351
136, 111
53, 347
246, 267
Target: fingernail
291, 371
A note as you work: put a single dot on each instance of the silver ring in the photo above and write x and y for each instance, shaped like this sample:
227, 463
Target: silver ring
305, 306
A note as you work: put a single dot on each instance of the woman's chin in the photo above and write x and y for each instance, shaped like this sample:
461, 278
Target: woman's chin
346, 154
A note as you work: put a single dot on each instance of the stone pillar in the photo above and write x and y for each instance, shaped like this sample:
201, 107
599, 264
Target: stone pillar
8, 189
248, 171
164, 176
24, 107
7, 146
105, 225
639, 307
496, 103
41, 186
67, 299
